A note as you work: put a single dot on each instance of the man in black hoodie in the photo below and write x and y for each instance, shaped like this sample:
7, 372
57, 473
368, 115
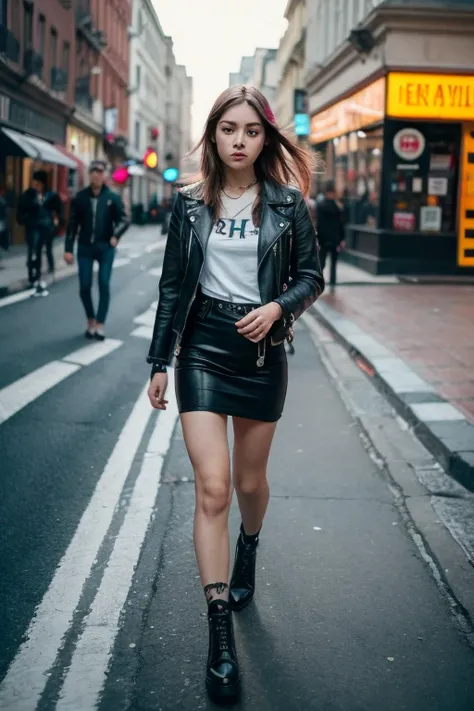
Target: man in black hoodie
330, 226
98, 216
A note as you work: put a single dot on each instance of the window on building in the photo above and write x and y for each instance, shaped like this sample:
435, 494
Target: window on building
421, 194
54, 47
356, 8
138, 76
41, 36
27, 26
65, 59
137, 133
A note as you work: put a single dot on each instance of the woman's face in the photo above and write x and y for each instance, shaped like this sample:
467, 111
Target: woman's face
240, 136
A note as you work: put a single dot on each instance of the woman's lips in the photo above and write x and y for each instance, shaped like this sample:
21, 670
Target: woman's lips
238, 156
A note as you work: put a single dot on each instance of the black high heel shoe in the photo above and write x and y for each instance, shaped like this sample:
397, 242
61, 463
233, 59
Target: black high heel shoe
222, 672
242, 582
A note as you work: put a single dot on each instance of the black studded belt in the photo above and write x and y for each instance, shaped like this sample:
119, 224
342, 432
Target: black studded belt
229, 306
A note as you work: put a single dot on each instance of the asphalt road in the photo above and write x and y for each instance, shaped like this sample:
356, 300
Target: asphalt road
101, 604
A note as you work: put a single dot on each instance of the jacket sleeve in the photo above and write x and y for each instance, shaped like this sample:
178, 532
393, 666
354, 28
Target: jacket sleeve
122, 222
72, 226
170, 283
307, 282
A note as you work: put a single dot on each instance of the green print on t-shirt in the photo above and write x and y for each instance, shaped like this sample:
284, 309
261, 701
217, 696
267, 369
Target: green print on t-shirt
221, 225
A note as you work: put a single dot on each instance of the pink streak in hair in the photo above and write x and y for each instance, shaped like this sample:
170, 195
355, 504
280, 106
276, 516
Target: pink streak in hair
269, 114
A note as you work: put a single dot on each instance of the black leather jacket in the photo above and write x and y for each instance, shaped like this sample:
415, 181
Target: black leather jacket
288, 265
110, 218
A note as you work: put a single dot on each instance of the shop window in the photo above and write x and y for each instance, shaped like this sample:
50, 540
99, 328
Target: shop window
357, 172
422, 176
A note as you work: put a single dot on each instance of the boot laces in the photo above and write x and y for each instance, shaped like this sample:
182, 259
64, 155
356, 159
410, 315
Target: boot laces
222, 630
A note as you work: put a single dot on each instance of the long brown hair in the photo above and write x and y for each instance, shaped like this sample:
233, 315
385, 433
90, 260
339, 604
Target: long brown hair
281, 160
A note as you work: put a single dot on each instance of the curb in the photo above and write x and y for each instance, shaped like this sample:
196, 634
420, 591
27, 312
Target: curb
441, 428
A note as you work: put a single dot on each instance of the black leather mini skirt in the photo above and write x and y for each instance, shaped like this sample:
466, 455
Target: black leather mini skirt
218, 370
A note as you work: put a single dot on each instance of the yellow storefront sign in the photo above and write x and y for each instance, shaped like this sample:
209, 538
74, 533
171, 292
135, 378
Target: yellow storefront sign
431, 96
362, 109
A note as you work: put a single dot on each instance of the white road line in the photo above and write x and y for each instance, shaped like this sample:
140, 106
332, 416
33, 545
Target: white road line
147, 318
14, 298
156, 271
155, 247
27, 675
17, 395
89, 354
143, 332
119, 262
87, 673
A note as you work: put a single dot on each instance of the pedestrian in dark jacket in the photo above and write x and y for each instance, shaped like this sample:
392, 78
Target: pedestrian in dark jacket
39, 210
98, 219
330, 226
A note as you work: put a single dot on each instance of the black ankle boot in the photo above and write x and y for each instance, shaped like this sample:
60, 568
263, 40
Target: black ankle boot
222, 673
242, 583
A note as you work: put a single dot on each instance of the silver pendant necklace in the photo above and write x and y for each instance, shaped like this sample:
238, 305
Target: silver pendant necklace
244, 188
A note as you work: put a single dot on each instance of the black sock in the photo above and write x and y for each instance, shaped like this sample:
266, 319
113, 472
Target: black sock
249, 539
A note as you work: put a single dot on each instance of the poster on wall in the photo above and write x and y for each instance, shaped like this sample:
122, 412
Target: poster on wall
430, 219
409, 144
417, 185
404, 221
437, 186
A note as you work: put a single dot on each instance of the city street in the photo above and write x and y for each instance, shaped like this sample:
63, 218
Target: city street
365, 580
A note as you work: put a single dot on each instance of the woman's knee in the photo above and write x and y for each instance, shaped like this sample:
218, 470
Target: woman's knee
249, 485
212, 494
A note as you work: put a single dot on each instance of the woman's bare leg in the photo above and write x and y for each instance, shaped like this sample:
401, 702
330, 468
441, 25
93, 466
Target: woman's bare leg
205, 435
252, 442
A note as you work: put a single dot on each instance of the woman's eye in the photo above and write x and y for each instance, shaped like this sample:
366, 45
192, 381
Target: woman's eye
227, 130
253, 133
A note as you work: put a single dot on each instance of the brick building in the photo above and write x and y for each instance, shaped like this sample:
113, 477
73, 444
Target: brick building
37, 46
99, 125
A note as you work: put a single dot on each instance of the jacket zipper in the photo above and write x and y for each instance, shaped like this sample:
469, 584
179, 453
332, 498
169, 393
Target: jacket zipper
177, 349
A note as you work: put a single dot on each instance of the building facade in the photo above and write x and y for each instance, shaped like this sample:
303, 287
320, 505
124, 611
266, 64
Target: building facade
37, 47
147, 107
291, 64
98, 127
260, 70
178, 114
391, 97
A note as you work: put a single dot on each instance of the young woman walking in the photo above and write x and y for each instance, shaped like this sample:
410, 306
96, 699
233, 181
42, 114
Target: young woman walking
240, 265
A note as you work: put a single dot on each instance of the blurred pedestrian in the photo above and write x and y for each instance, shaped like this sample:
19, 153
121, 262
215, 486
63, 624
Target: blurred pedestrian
226, 306
39, 210
330, 226
98, 215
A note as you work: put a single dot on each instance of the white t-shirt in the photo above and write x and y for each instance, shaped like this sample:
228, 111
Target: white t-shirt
231, 263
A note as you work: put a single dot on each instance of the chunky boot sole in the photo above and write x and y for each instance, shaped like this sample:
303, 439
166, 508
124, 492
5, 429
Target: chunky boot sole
222, 694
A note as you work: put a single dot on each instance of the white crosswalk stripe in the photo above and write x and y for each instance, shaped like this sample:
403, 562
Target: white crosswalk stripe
22, 392
92, 653
27, 675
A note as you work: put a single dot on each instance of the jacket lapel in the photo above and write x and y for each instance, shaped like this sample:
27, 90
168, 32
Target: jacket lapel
277, 214
199, 217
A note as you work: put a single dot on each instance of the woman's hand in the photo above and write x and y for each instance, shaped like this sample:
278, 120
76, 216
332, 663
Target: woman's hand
157, 391
258, 322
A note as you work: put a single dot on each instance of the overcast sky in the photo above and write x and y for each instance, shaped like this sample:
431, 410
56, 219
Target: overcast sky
210, 37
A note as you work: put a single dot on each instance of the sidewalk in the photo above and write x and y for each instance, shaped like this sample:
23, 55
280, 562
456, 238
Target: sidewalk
418, 341
13, 270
